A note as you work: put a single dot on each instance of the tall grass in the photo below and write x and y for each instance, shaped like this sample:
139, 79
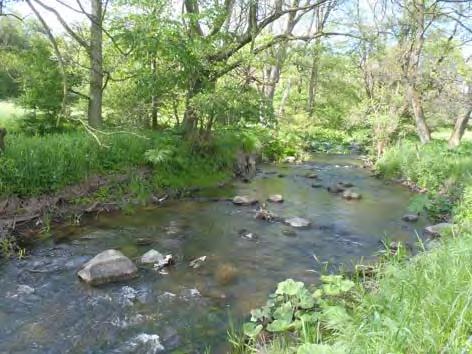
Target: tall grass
34, 165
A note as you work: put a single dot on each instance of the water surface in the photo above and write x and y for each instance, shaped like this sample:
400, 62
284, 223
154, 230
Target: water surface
187, 310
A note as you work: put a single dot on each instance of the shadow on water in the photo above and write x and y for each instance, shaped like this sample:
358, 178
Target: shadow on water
45, 309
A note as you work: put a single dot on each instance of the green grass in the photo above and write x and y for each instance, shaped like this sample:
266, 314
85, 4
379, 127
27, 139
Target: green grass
10, 115
445, 133
32, 165
420, 306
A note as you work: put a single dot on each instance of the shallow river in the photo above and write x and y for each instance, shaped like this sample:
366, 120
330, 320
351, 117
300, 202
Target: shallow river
44, 308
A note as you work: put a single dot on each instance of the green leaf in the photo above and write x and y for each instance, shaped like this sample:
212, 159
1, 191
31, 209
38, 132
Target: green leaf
251, 330
289, 287
306, 301
330, 279
284, 312
279, 326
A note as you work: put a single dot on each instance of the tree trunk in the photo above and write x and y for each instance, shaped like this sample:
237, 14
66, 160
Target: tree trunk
459, 129
154, 102
285, 95
421, 127
96, 66
190, 121
313, 85
462, 121
3, 132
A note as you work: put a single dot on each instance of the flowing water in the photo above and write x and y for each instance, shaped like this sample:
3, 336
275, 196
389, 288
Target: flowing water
44, 308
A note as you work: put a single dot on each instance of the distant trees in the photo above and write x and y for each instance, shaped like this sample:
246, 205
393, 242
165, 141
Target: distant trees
199, 65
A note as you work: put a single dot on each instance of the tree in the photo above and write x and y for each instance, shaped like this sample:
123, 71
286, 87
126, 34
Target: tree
93, 48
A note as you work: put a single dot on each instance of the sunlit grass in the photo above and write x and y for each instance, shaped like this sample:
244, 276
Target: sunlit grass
444, 134
10, 115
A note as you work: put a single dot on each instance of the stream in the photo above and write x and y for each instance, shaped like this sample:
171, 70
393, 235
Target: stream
44, 308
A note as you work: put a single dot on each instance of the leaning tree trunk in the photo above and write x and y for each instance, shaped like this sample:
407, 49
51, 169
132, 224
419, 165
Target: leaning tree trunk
421, 127
96, 66
459, 129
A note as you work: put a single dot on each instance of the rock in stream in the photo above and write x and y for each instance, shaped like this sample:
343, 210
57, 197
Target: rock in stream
108, 266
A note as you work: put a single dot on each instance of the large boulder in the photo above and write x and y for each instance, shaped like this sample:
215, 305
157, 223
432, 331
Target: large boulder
108, 266
298, 222
244, 200
438, 229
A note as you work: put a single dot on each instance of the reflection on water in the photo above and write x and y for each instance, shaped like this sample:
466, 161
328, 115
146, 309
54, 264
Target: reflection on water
187, 310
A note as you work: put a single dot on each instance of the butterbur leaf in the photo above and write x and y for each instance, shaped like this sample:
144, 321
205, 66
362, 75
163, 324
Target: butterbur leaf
310, 317
284, 312
306, 301
256, 315
289, 287
335, 317
318, 294
332, 289
330, 279
279, 326
251, 330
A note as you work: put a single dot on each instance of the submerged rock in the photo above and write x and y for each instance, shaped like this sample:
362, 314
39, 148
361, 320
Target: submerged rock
289, 233
346, 184
438, 229
298, 222
226, 273
336, 188
311, 175
152, 256
108, 266
244, 200
349, 195
316, 185
247, 235
25, 289
410, 217
276, 198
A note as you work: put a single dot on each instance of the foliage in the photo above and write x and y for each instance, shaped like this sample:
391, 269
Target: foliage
293, 307
442, 172
34, 165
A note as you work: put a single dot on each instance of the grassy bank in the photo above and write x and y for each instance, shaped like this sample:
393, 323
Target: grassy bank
35, 165
418, 305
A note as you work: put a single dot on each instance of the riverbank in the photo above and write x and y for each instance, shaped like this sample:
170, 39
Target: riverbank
59, 178
418, 305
